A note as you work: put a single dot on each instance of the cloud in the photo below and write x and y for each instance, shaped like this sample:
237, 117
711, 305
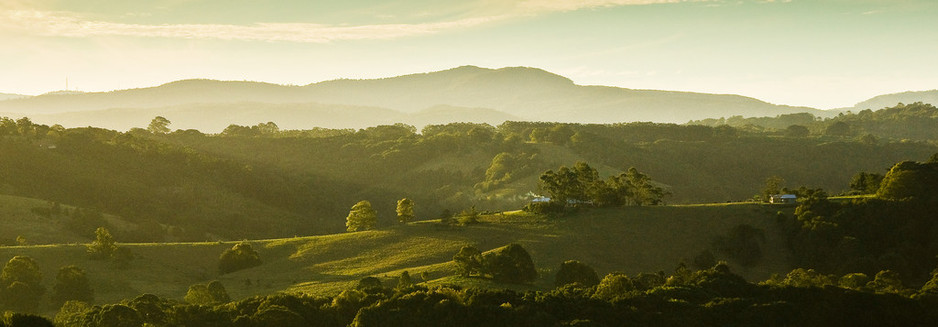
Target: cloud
572, 5
25, 21
59, 24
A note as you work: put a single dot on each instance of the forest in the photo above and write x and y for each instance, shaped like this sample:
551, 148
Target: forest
199, 186
859, 243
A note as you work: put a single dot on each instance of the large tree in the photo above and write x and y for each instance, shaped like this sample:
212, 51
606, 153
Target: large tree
468, 261
21, 284
71, 283
361, 217
405, 210
103, 246
511, 264
240, 256
572, 271
159, 125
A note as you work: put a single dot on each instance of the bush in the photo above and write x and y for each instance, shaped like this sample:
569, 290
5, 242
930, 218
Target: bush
71, 283
572, 271
510, 264
238, 257
103, 246
213, 293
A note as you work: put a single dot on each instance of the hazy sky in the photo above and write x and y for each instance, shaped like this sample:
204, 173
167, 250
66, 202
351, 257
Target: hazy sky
819, 53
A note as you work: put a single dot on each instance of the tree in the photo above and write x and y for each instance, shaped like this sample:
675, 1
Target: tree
837, 129
240, 256
511, 264
404, 281
643, 190
797, 131
866, 183
773, 186
361, 217
103, 247
405, 210
468, 261
218, 292
202, 294
469, 216
159, 125
21, 284
71, 283
572, 271
198, 294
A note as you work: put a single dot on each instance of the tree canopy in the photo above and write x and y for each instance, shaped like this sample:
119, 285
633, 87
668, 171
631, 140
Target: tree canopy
361, 217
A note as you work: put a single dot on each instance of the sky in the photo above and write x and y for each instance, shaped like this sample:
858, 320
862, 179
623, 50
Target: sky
817, 53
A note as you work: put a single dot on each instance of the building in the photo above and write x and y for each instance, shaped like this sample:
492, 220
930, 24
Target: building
783, 199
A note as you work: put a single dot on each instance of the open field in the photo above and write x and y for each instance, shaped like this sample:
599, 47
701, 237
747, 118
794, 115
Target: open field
630, 240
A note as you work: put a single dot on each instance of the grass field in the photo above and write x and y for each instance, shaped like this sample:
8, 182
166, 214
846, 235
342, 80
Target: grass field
630, 240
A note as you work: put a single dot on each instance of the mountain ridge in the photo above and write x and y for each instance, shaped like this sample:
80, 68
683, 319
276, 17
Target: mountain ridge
515, 93
891, 99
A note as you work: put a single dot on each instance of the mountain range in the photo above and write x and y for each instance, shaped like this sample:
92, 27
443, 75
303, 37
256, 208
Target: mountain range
463, 94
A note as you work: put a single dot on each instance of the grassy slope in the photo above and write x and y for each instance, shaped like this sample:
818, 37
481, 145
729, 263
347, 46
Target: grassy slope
18, 219
631, 240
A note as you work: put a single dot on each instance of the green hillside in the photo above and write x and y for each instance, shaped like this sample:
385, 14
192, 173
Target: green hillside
630, 240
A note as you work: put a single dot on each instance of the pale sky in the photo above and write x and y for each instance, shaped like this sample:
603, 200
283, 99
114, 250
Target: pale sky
817, 53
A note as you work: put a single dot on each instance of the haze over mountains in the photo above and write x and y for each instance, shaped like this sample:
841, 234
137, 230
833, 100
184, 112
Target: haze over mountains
7, 96
466, 94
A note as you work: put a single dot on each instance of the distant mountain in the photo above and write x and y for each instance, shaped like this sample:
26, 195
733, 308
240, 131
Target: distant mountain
517, 93
890, 100
534, 94
8, 96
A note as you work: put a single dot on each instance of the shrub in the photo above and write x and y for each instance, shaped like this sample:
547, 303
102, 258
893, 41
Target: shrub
510, 264
71, 283
238, 257
572, 271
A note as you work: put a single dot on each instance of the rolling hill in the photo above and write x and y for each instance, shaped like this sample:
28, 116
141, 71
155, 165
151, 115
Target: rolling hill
625, 239
8, 96
514, 93
890, 100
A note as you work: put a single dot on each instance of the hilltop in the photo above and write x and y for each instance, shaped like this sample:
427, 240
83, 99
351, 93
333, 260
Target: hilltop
513, 93
8, 96
889, 100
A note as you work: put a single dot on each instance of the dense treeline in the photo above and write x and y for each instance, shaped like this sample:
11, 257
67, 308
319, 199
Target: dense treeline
895, 230
181, 192
186, 185
916, 121
709, 297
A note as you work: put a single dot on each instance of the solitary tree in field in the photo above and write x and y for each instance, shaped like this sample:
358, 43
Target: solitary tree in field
361, 217
405, 210
240, 256
159, 125
103, 246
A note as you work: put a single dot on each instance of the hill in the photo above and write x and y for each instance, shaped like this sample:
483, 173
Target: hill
890, 100
8, 96
514, 93
626, 239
